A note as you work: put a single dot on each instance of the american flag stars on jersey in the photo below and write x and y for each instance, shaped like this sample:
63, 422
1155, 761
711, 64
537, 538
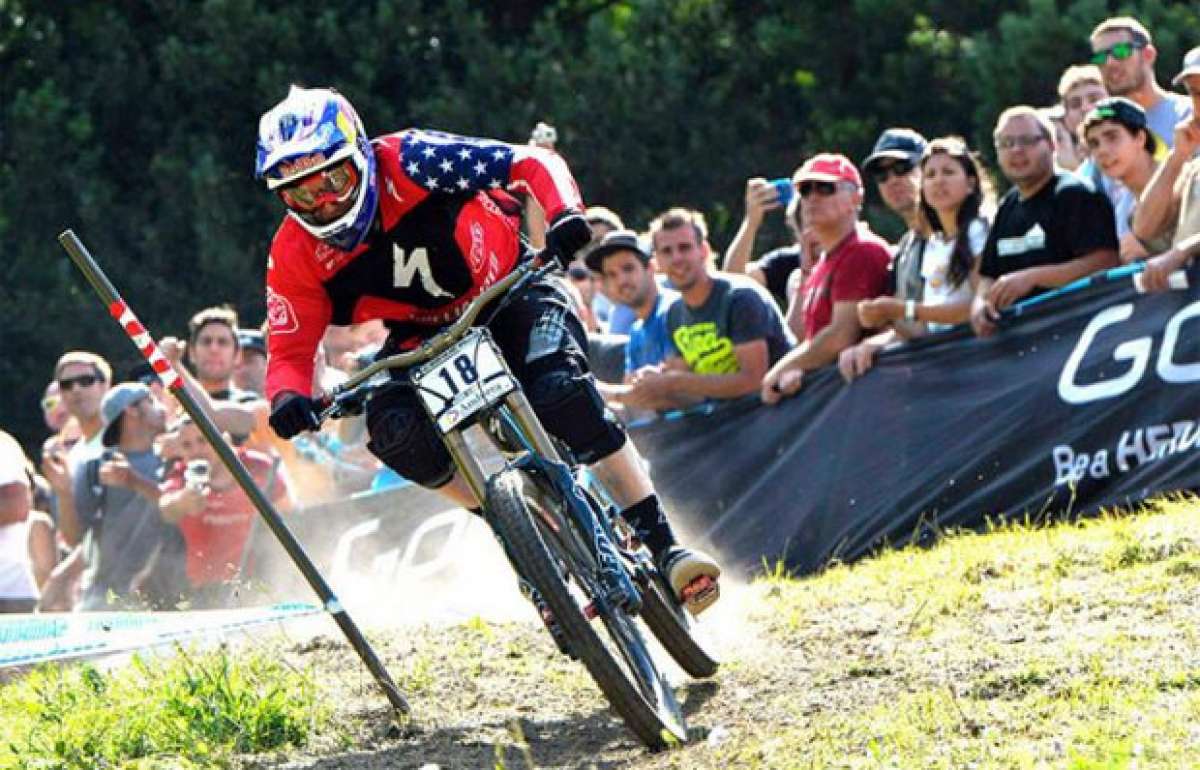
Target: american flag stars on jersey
442, 162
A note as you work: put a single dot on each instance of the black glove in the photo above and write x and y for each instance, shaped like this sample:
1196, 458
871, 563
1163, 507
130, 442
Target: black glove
568, 233
293, 413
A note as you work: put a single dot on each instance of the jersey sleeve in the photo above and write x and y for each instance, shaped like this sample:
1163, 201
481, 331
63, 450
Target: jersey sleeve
449, 163
298, 311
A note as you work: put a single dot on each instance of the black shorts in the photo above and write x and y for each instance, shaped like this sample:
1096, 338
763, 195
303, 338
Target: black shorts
543, 342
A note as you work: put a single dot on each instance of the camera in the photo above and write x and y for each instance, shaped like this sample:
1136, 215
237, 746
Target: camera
784, 188
196, 473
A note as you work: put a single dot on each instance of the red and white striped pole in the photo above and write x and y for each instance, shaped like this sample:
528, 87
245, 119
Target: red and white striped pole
170, 378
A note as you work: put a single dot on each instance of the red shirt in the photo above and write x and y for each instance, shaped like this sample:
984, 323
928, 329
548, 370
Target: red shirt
444, 231
216, 536
856, 269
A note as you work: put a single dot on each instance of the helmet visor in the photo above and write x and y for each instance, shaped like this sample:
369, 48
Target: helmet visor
334, 184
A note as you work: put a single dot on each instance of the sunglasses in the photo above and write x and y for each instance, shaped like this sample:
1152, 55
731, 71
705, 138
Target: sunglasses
1011, 142
329, 185
900, 168
83, 381
1120, 52
824, 189
579, 273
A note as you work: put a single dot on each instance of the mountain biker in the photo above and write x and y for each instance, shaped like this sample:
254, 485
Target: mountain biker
410, 227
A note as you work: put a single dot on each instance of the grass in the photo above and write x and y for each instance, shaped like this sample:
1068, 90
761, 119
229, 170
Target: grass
1073, 647
191, 710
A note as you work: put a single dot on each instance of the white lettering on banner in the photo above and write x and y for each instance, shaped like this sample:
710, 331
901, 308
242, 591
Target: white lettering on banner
431, 548
1136, 351
1071, 468
1134, 448
418, 265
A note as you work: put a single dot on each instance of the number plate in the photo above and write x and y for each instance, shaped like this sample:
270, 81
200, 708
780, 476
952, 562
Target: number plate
466, 378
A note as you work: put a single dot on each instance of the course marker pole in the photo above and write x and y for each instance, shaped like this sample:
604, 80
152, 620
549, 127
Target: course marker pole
171, 379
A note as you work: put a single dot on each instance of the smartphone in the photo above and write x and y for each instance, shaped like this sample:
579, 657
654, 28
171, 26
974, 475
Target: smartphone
784, 188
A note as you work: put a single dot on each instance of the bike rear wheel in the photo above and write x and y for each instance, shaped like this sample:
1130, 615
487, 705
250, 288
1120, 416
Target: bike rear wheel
548, 552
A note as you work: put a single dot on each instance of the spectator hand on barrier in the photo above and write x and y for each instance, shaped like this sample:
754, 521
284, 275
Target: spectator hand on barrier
857, 360
778, 384
1011, 287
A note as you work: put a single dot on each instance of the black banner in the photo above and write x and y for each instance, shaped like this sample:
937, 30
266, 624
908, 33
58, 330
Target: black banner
1084, 402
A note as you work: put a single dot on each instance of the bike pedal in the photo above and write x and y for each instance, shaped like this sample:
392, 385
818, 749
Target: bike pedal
700, 594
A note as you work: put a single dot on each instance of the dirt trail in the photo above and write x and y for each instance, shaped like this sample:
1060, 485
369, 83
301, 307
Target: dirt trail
491, 694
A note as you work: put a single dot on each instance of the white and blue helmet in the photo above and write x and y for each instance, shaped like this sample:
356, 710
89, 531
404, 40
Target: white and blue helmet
319, 122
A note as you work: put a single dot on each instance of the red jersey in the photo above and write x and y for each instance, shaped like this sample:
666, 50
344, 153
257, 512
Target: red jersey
445, 230
855, 269
216, 536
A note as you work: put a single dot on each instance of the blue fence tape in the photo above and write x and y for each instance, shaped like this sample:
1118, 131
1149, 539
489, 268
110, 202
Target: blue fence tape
29, 639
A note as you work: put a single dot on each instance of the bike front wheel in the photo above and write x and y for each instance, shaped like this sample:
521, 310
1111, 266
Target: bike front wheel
550, 553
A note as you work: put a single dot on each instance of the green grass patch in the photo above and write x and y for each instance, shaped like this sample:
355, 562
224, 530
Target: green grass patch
195, 709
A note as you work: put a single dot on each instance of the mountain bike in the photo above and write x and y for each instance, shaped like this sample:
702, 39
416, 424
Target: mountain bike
575, 557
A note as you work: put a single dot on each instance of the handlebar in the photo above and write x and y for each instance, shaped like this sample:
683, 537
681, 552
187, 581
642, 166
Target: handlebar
532, 268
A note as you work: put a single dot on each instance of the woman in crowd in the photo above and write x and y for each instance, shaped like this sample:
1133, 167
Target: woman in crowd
1124, 148
953, 194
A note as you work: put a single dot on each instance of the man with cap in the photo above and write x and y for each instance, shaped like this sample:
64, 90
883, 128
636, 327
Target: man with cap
116, 503
1124, 148
853, 267
1172, 199
895, 165
629, 278
725, 331
251, 371
1050, 229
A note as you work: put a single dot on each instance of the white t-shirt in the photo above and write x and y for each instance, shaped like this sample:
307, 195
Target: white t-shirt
16, 579
935, 269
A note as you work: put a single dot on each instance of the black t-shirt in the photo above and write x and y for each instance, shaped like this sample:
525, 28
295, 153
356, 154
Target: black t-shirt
776, 266
1064, 220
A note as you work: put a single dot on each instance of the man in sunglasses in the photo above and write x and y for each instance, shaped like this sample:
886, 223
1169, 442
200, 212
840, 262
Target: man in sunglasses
894, 164
1050, 229
409, 228
853, 267
1124, 51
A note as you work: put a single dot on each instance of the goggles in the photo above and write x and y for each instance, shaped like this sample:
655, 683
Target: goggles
334, 184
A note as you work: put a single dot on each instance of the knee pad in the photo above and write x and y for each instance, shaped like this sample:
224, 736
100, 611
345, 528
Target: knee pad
403, 438
565, 398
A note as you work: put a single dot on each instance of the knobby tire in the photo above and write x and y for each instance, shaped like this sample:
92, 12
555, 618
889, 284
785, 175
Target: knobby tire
658, 724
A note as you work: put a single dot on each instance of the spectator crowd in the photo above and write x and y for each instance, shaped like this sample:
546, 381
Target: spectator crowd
128, 506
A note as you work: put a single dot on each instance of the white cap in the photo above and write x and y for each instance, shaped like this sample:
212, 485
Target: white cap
1191, 65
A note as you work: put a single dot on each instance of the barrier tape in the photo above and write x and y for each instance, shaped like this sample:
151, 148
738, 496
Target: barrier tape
29, 639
